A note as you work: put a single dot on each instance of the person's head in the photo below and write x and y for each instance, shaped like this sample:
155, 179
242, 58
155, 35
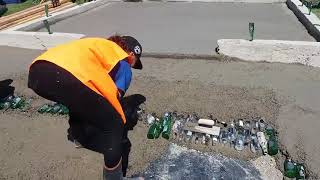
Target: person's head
132, 47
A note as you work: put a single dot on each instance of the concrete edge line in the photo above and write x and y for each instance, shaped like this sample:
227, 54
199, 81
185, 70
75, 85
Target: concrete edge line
180, 56
35, 40
309, 21
58, 16
290, 52
221, 1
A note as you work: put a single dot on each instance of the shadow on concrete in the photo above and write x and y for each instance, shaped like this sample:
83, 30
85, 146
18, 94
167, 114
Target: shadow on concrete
89, 134
130, 105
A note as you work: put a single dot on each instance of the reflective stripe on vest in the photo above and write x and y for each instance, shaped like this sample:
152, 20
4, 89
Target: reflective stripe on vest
90, 60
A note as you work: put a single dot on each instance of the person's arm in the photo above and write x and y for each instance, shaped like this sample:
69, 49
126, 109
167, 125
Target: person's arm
121, 75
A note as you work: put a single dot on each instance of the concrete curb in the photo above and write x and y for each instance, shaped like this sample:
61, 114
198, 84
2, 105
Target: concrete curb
35, 40
311, 22
223, 1
55, 17
301, 52
18, 37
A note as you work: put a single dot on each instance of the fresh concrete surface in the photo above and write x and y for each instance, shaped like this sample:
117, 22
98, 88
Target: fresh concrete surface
296, 87
16, 60
307, 53
310, 21
35, 40
169, 84
58, 16
186, 28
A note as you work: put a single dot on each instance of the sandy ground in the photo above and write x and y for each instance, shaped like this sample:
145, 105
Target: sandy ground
63, 159
35, 147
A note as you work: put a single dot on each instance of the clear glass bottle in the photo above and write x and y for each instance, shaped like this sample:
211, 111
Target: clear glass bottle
150, 119
231, 133
239, 142
262, 142
301, 174
247, 137
262, 124
167, 125
254, 145
188, 136
223, 137
176, 129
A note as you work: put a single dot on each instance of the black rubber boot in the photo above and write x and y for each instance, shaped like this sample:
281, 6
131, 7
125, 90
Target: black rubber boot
115, 174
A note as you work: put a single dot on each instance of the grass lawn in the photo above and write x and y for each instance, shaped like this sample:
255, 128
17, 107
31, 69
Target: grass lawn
316, 12
12, 8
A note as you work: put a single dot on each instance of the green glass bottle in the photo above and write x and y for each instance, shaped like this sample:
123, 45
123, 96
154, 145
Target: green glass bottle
154, 130
27, 105
5, 105
43, 108
273, 146
63, 110
270, 131
167, 126
290, 169
55, 109
17, 102
48, 110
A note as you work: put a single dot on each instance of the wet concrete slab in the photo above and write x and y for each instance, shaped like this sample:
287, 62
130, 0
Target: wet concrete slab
191, 28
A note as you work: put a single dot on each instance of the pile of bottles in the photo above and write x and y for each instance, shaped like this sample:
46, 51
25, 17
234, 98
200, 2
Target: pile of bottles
293, 169
14, 102
253, 133
54, 109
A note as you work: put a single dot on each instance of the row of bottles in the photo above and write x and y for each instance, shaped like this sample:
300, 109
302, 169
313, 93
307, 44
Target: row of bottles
17, 102
54, 109
255, 133
14, 102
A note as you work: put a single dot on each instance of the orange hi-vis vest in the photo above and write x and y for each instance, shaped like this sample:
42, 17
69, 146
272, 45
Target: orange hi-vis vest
90, 60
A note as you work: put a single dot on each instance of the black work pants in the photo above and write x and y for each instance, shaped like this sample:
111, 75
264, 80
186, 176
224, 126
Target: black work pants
94, 122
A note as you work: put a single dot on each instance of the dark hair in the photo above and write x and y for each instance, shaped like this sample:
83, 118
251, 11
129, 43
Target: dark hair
120, 41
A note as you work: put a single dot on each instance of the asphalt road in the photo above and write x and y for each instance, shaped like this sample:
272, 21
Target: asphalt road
191, 28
